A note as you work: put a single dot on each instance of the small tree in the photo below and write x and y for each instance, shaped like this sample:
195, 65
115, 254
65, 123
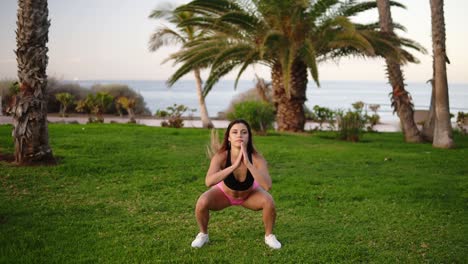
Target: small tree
65, 99
129, 105
351, 123
95, 104
323, 114
174, 114
373, 119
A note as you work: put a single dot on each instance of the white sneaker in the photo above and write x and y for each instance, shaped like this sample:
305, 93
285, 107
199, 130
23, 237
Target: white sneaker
272, 242
200, 240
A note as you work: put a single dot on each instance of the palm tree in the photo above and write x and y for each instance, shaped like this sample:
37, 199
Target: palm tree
289, 36
401, 100
129, 105
442, 128
167, 36
30, 129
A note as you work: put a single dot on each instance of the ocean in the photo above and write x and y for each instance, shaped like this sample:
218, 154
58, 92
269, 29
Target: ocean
331, 94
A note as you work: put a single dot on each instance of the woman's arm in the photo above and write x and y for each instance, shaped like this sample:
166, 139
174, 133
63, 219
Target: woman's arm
259, 171
215, 173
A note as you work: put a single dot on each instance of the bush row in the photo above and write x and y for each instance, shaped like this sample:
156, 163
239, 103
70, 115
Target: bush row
8, 89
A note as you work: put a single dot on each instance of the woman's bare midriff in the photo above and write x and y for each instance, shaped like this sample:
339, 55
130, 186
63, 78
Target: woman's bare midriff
237, 194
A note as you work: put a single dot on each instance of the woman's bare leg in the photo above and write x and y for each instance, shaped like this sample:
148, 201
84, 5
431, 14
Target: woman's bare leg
213, 200
262, 200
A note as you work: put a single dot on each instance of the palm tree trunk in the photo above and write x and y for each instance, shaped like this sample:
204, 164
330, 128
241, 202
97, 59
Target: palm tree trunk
428, 127
206, 122
131, 115
290, 114
401, 100
30, 129
442, 127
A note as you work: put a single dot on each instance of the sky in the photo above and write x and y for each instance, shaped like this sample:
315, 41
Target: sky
108, 40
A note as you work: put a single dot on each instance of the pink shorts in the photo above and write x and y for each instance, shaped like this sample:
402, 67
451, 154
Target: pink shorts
232, 200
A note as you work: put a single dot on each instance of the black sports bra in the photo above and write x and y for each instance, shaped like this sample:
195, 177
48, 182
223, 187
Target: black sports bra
231, 182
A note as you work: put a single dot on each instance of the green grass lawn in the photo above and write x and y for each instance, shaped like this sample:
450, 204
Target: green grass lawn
126, 194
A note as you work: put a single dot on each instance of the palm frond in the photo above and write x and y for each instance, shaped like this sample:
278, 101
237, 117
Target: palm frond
163, 11
249, 60
272, 42
191, 59
209, 7
320, 8
218, 73
307, 53
234, 52
413, 45
212, 26
242, 20
354, 9
376, 26
287, 57
164, 36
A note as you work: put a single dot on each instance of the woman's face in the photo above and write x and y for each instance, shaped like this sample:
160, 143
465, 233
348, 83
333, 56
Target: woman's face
238, 135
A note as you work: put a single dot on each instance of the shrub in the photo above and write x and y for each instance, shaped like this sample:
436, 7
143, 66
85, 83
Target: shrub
323, 114
65, 100
260, 115
95, 104
249, 95
351, 123
55, 87
8, 89
372, 121
119, 90
461, 117
173, 114
261, 92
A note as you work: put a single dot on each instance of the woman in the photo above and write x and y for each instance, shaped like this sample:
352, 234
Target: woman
238, 175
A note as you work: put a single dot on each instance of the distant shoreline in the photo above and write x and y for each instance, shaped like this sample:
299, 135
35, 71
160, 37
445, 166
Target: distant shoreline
195, 122
192, 122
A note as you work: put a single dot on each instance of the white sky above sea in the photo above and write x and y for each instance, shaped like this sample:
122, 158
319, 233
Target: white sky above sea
108, 39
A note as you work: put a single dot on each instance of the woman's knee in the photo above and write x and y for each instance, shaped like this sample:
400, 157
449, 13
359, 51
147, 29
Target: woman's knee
203, 202
268, 202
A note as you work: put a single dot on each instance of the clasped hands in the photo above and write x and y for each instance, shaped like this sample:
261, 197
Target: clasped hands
242, 157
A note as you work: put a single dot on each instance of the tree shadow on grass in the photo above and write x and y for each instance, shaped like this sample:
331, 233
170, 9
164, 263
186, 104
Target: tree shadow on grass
10, 158
335, 138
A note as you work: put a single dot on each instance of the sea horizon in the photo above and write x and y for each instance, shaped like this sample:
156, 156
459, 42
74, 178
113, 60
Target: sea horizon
334, 94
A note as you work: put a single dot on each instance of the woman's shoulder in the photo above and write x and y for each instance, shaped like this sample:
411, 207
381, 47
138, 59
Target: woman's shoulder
257, 156
220, 156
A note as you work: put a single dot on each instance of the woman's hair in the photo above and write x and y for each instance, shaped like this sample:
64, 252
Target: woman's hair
217, 147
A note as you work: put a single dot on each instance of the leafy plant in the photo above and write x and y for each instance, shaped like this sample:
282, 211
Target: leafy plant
260, 115
129, 105
373, 119
65, 99
173, 114
8, 91
351, 123
461, 117
323, 114
96, 105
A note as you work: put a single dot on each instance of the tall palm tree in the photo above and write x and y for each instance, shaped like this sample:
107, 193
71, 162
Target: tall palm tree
428, 126
289, 36
167, 36
442, 128
401, 100
30, 129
